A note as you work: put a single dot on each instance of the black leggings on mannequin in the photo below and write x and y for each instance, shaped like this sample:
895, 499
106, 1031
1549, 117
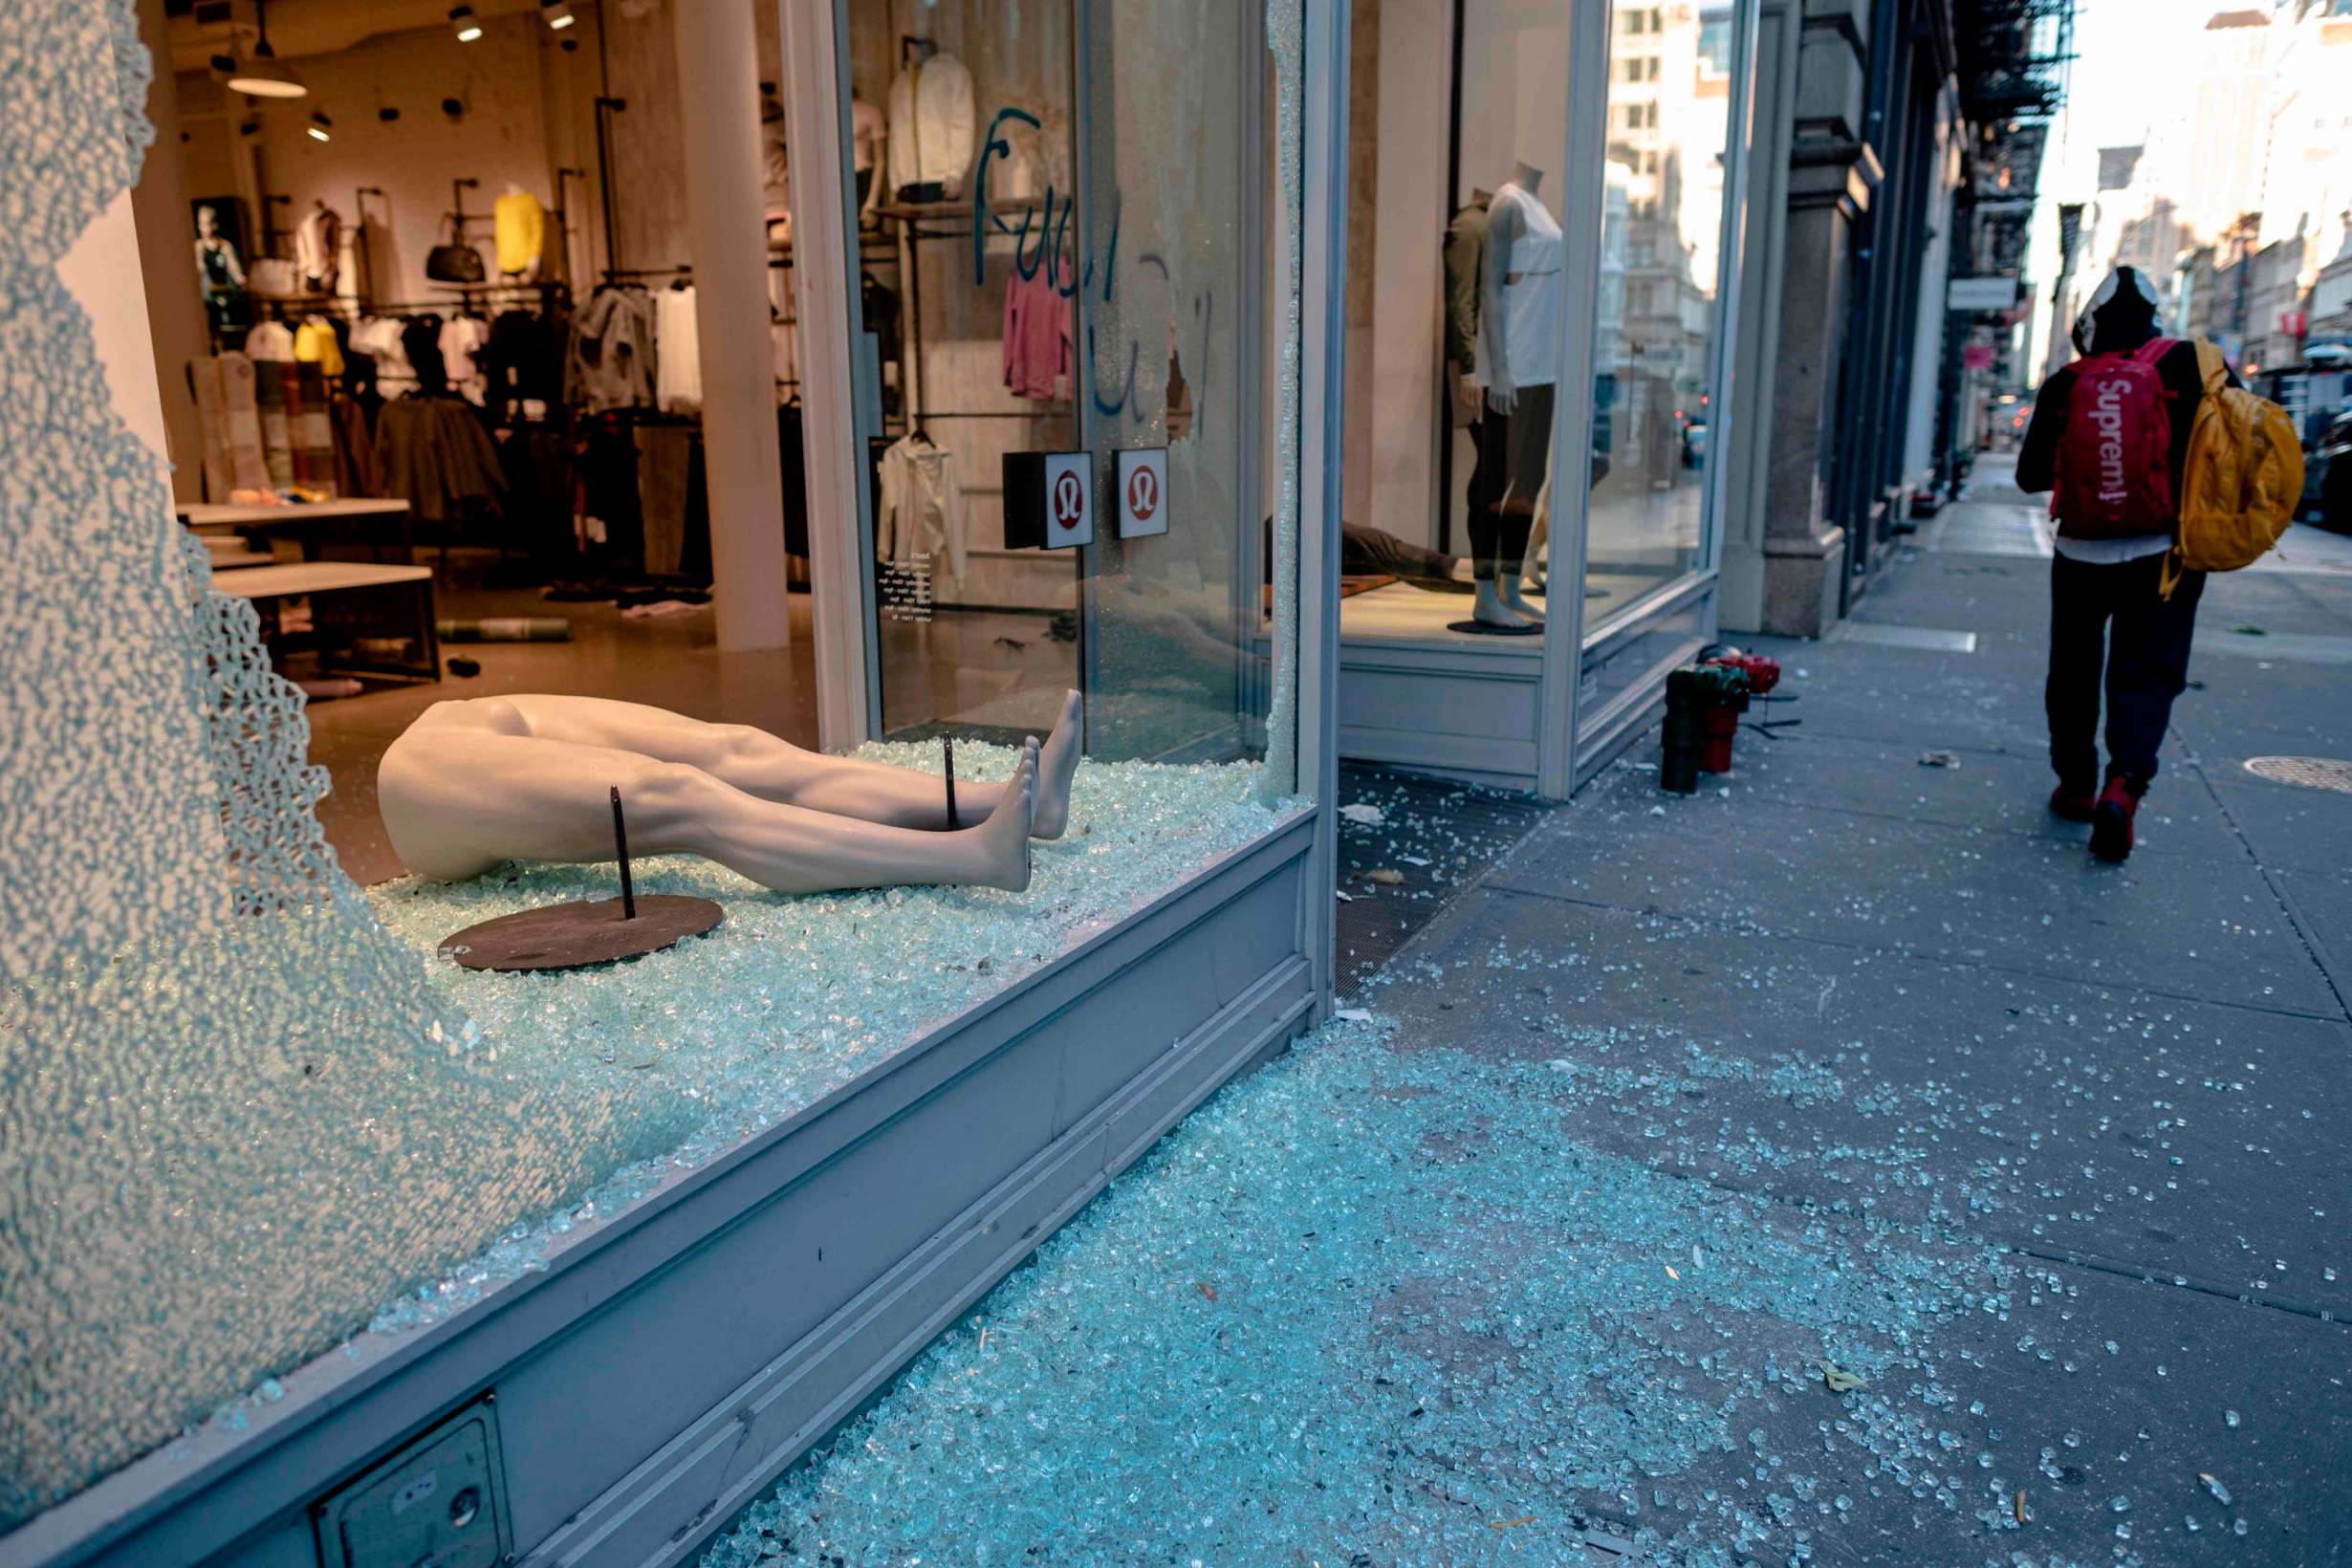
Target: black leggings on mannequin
1511, 452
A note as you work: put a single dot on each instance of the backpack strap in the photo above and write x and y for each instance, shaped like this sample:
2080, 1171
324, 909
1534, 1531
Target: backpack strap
2154, 349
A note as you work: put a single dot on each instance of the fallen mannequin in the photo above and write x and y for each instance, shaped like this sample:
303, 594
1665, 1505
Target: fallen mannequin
475, 783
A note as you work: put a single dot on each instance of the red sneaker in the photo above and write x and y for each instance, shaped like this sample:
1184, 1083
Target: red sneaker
2111, 837
2074, 805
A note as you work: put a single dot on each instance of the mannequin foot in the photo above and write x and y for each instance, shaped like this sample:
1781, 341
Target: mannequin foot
1490, 610
1056, 763
1506, 589
1003, 840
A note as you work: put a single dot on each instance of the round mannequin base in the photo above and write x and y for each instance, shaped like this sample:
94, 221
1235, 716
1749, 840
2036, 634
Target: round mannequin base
571, 936
1483, 629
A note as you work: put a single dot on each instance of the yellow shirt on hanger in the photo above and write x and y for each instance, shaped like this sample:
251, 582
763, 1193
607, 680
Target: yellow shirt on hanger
519, 227
315, 341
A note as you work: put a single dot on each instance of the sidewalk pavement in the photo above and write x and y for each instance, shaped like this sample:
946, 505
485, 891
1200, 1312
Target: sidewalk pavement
1691, 1106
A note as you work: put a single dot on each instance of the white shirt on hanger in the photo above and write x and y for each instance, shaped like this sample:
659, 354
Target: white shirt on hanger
677, 360
932, 124
921, 506
463, 337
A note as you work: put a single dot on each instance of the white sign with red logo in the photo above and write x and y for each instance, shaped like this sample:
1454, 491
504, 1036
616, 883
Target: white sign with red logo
1142, 479
1069, 500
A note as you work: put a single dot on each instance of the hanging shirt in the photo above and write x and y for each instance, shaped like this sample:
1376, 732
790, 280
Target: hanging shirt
1037, 336
1531, 305
271, 341
678, 367
932, 124
315, 343
421, 341
463, 339
921, 506
519, 228
379, 339
319, 243
613, 351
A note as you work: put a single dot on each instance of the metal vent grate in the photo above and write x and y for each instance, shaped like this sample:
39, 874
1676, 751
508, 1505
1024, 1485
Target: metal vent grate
2311, 773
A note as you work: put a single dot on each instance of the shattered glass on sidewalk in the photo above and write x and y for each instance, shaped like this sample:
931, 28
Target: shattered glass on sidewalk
1372, 1306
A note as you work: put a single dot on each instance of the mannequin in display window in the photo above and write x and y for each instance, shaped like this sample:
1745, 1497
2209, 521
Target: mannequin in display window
1519, 362
474, 783
218, 273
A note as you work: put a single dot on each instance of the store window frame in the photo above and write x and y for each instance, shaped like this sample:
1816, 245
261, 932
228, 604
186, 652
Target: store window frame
1578, 732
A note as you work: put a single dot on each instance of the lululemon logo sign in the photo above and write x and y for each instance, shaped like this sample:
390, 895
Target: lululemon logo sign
1142, 495
1069, 500
1143, 491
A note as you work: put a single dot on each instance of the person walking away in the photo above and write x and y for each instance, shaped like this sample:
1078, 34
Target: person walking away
2109, 439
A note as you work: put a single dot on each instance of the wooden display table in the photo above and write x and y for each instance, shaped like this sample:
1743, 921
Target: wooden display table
306, 526
358, 608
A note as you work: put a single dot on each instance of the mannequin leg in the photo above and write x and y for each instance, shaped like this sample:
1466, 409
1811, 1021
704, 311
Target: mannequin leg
1491, 553
458, 800
1526, 458
772, 769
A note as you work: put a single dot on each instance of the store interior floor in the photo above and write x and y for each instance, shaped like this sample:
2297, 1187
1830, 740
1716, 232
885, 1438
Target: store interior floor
1403, 612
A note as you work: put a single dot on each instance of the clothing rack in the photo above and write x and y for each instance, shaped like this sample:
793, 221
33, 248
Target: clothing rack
459, 217
269, 231
955, 224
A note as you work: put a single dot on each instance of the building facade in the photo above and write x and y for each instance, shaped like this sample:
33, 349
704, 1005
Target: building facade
1898, 145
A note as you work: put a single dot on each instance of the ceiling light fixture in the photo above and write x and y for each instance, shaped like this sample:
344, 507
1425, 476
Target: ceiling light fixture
468, 26
558, 13
261, 75
320, 127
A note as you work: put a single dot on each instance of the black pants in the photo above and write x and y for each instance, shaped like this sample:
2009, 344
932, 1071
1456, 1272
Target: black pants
1508, 476
2111, 621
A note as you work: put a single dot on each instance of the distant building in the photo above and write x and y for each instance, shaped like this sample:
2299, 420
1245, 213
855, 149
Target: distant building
2219, 165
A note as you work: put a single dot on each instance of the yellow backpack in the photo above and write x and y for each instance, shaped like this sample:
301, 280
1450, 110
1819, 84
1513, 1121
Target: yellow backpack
2243, 481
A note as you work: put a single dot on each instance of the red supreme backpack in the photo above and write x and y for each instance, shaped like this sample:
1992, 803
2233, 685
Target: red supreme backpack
2114, 456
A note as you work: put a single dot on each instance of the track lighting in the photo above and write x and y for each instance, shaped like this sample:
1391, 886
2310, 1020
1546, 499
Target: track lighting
558, 13
320, 127
468, 26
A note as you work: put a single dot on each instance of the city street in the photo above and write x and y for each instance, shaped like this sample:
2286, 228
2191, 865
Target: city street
1687, 1113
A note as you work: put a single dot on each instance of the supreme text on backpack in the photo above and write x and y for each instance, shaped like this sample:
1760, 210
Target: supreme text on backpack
2114, 454
2243, 481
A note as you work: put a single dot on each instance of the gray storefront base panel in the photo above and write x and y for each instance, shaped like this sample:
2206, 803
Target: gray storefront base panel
663, 1371
1459, 709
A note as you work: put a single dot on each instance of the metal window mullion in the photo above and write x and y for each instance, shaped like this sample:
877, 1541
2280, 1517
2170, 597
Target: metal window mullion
1323, 77
1737, 146
825, 237
1584, 189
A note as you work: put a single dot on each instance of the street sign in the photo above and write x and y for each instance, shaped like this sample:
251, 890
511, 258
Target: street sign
1049, 500
1981, 294
1140, 488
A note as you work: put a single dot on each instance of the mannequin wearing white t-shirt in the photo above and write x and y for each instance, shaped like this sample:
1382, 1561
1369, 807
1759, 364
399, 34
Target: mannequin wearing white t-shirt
1519, 362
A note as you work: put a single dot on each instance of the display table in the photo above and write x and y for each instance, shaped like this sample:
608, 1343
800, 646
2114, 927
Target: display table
357, 610
306, 526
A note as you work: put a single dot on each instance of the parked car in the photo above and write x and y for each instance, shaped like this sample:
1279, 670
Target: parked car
2327, 477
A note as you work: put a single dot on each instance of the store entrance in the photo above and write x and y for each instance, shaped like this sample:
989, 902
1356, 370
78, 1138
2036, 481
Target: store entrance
452, 285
